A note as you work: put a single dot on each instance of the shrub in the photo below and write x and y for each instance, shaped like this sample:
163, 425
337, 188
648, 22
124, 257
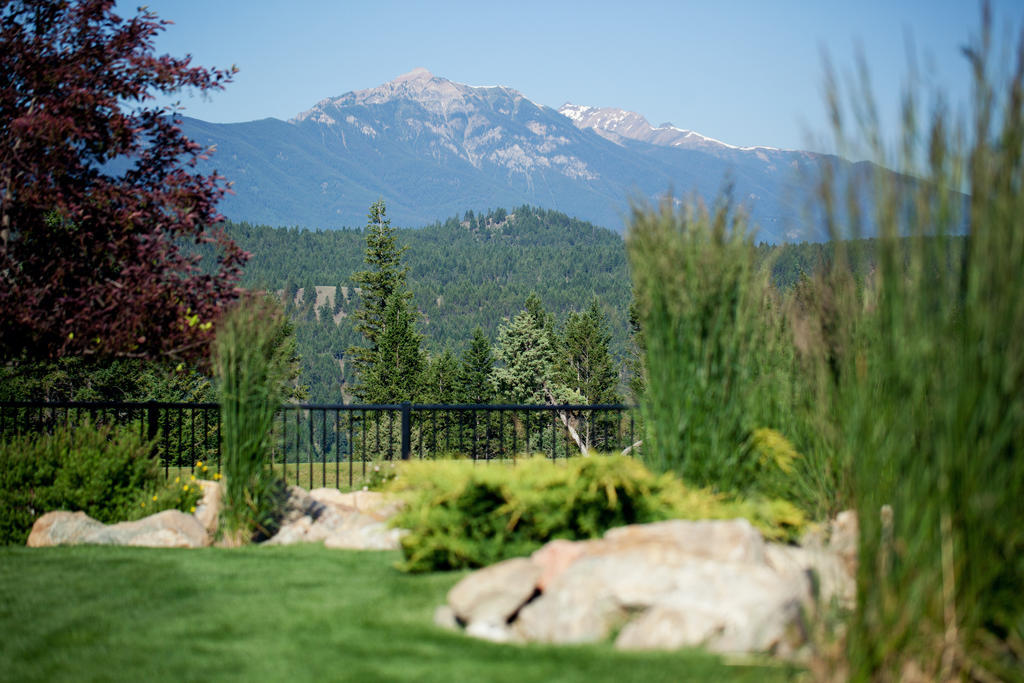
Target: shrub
718, 354
253, 360
105, 471
461, 515
933, 398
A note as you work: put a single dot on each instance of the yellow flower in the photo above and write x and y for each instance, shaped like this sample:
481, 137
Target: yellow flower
192, 477
199, 463
185, 487
216, 477
192, 509
143, 503
177, 480
154, 499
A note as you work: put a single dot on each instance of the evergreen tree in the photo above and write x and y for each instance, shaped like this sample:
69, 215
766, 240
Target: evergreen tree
339, 298
395, 373
527, 370
590, 368
384, 312
442, 383
474, 376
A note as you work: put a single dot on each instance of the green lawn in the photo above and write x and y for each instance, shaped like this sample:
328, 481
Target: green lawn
286, 613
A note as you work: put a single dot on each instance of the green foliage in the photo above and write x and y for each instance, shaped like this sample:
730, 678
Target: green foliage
76, 378
528, 364
474, 377
395, 372
442, 379
717, 362
928, 369
465, 516
385, 319
252, 369
587, 346
105, 471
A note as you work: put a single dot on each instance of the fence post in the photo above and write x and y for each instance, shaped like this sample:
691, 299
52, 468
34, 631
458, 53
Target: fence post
153, 427
406, 430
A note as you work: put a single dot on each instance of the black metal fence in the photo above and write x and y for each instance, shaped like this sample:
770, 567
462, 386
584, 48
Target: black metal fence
334, 445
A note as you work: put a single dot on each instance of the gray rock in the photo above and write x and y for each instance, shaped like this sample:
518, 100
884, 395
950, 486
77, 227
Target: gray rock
167, 529
209, 506
495, 593
62, 528
733, 540
372, 536
444, 617
828, 571
338, 520
725, 607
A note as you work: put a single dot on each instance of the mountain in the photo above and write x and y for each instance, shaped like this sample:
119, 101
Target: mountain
431, 147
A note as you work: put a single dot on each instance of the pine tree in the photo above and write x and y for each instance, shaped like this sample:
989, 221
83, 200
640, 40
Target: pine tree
395, 373
475, 374
442, 384
527, 371
383, 287
590, 368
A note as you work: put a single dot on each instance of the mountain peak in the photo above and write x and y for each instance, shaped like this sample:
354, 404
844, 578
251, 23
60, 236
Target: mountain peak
417, 74
618, 125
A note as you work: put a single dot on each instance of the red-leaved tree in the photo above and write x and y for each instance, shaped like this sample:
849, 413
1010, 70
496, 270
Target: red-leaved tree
100, 192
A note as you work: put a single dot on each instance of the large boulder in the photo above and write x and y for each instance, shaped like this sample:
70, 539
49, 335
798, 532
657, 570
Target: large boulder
167, 529
338, 520
667, 585
61, 527
487, 600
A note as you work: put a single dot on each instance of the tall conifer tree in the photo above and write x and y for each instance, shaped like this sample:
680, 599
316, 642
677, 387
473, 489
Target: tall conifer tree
389, 366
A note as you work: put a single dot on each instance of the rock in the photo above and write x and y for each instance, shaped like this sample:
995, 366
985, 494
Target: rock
554, 558
372, 503
209, 506
734, 540
352, 521
828, 572
495, 593
844, 538
444, 617
496, 633
372, 536
167, 529
62, 528
666, 585
726, 608
578, 607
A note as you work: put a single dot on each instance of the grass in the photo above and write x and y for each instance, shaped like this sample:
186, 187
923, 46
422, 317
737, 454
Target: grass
295, 613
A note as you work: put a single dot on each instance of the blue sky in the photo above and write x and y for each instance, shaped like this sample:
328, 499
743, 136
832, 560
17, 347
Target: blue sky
744, 72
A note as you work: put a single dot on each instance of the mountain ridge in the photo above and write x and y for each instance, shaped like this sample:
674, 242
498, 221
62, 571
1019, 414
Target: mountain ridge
432, 147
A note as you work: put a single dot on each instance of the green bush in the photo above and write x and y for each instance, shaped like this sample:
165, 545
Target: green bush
253, 359
462, 515
932, 392
105, 471
719, 359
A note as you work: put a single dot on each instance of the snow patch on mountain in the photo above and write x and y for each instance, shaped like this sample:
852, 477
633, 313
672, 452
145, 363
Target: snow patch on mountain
618, 124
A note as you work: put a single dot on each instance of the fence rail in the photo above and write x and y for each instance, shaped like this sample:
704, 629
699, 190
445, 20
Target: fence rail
334, 444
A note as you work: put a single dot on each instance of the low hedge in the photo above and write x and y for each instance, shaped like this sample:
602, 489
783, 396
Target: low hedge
105, 471
464, 515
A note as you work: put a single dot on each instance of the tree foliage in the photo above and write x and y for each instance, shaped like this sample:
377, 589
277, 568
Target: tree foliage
98, 191
527, 370
390, 366
588, 366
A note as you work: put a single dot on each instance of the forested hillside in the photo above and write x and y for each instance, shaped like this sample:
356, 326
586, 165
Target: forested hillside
468, 271
472, 270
